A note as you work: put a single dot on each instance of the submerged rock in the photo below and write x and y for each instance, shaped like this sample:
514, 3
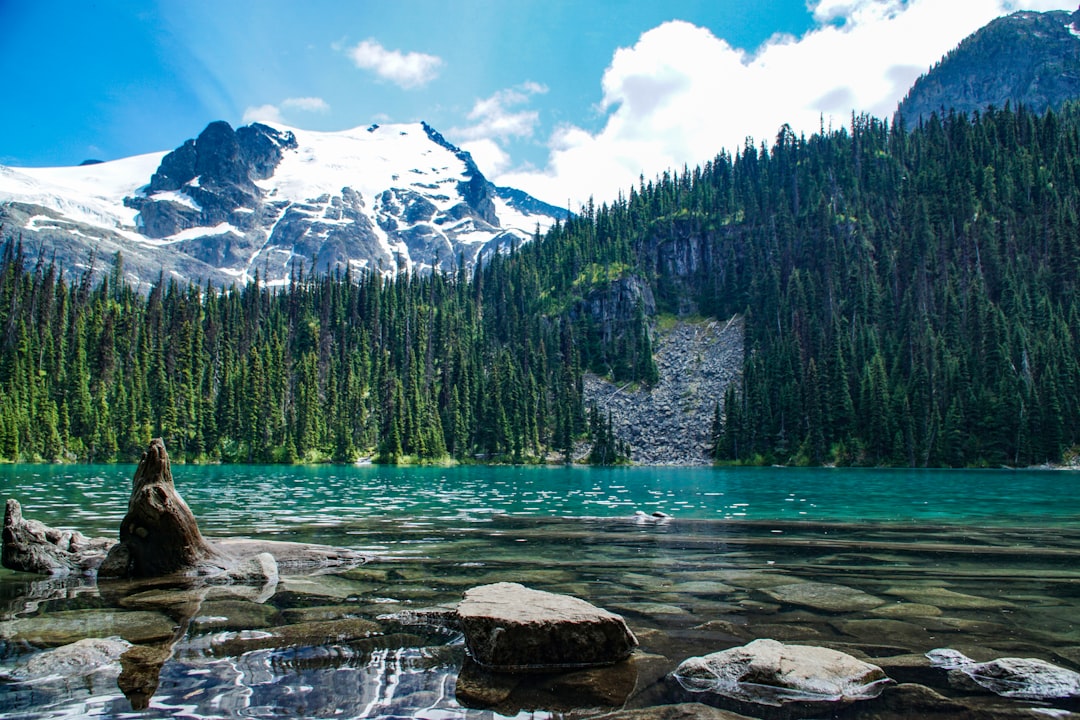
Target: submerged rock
510, 695
946, 599
305, 634
1021, 678
824, 596
141, 673
77, 659
511, 628
770, 673
559, 692
682, 711
69, 626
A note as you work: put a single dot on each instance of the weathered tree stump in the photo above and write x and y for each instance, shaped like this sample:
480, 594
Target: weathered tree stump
159, 534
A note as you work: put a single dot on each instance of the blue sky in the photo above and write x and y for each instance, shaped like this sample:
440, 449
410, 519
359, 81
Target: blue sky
563, 99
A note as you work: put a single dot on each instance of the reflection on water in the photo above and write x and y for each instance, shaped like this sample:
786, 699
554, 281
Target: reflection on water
349, 644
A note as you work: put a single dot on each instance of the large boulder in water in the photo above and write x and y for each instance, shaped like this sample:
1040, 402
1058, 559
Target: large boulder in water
1021, 678
511, 628
770, 673
159, 534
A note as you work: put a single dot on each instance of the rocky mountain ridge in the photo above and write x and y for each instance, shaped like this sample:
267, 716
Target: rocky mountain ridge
1027, 57
271, 200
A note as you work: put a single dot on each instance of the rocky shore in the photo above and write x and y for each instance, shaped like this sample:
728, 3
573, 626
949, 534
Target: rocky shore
670, 423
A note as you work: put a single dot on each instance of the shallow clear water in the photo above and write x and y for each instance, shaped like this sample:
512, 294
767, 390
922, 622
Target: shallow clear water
983, 561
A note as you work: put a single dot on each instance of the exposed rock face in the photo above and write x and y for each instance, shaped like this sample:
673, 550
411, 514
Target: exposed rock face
476, 190
211, 180
159, 535
770, 673
32, 546
1021, 678
670, 423
511, 628
615, 305
1028, 57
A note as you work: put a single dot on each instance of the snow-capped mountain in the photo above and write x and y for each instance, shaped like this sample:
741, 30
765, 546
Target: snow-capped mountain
272, 199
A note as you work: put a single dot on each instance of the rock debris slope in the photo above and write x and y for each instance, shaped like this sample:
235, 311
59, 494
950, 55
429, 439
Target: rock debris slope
670, 424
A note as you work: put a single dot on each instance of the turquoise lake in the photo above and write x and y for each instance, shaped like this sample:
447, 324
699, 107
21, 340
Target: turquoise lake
983, 561
271, 499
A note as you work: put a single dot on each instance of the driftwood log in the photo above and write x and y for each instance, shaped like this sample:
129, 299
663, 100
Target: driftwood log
159, 537
34, 547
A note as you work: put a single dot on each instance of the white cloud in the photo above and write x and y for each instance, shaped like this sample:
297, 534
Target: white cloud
307, 104
488, 155
262, 113
495, 116
853, 11
495, 121
407, 70
680, 94
272, 113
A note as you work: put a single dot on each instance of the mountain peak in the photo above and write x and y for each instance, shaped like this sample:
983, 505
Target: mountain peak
1028, 57
266, 197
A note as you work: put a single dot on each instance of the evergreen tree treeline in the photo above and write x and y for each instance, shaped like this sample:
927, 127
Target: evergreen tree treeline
910, 298
327, 368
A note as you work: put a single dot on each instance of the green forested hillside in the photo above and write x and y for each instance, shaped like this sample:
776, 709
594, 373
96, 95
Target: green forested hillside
910, 298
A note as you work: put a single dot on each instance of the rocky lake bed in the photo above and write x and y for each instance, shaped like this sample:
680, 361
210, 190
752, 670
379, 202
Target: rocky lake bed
483, 593
381, 639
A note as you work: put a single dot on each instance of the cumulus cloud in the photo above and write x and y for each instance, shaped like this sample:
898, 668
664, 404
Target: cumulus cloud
273, 113
499, 116
407, 70
495, 121
262, 113
826, 11
307, 104
680, 94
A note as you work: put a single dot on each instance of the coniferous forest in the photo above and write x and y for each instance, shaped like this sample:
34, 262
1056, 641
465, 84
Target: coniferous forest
910, 297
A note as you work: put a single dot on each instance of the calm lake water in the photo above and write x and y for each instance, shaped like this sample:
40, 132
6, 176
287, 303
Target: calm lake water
983, 561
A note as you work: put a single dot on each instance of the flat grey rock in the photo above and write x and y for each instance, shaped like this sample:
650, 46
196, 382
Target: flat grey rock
824, 596
770, 673
77, 659
511, 628
1021, 678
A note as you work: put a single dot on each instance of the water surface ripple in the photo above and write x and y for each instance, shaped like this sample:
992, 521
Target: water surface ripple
882, 564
